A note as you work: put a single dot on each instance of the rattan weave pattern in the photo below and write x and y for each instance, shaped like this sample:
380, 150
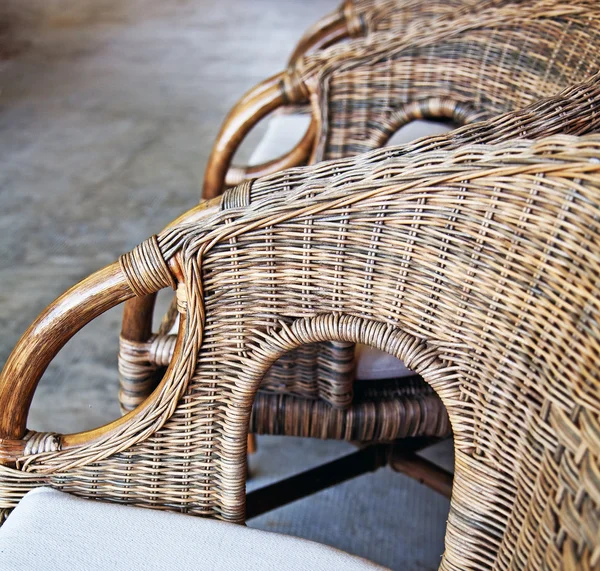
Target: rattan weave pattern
364, 17
475, 66
496, 61
478, 267
309, 370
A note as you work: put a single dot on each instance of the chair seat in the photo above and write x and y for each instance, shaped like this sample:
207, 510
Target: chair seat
56, 531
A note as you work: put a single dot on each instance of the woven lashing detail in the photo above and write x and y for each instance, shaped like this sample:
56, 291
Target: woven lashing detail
237, 196
294, 88
458, 112
145, 268
354, 18
138, 364
38, 442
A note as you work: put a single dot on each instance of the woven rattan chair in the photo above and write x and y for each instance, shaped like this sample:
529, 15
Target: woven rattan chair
295, 388
478, 267
353, 19
473, 65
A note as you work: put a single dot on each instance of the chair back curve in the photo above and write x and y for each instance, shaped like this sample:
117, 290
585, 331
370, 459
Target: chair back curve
479, 267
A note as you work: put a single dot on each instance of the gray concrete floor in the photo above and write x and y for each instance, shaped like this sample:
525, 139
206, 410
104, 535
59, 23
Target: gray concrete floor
108, 110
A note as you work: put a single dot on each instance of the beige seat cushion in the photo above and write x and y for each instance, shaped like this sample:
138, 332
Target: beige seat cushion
53, 531
283, 132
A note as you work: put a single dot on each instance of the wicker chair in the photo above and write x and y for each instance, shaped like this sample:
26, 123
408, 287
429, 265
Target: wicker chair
354, 18
295, 388
480, 64
478, 267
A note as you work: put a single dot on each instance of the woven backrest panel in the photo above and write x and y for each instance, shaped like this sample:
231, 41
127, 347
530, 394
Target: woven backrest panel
495, 61
370, 16
478, 267
325, 370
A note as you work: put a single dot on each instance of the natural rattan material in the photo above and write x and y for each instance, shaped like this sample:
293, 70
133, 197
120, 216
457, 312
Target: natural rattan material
499, 60
353, 19
358, 18
381, 411
307, 371
478, 267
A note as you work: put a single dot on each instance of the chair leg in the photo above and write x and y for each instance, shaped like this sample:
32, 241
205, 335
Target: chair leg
252, 447
422, 470
400, 455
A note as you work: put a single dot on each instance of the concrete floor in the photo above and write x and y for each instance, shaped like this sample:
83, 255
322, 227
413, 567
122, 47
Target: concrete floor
108, 110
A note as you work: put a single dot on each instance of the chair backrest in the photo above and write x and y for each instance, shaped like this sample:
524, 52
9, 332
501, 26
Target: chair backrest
352, 19
359, 18
496, 58
478, 267
479, 65
368, 16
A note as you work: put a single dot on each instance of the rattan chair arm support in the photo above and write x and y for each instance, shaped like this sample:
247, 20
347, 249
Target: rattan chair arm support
297, 156
327, 31
274, 92
138, 312
134, 274
47, 335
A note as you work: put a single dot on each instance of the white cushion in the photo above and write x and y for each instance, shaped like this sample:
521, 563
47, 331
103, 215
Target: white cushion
283, 132
54, 531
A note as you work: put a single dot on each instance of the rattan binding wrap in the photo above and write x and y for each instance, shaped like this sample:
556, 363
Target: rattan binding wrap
307, 371
381, 411
479, 267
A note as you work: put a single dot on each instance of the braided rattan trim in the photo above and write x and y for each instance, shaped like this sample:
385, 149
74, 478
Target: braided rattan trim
145, 268
38, 442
